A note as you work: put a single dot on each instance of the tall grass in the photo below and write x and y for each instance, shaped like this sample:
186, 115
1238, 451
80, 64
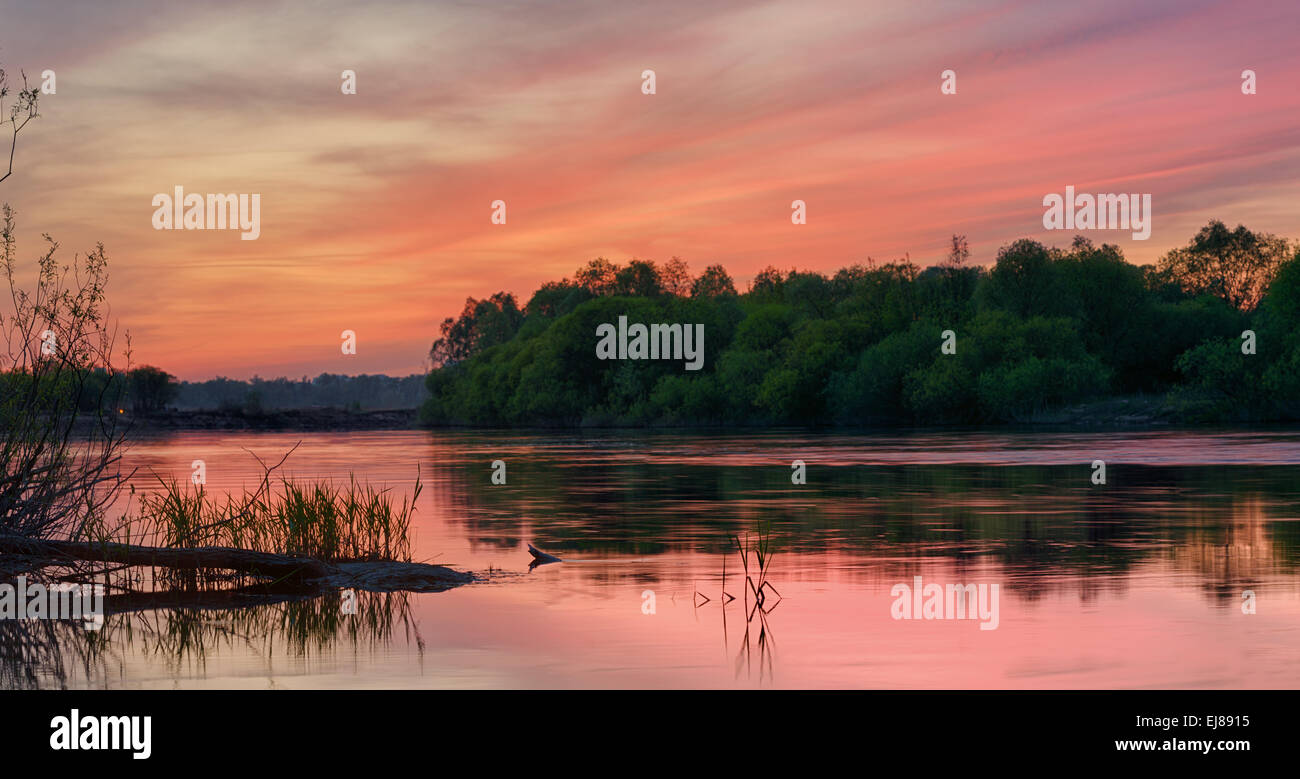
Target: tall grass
763, 549
335, 523
760, 548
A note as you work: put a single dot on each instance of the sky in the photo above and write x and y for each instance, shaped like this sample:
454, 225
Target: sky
376, 207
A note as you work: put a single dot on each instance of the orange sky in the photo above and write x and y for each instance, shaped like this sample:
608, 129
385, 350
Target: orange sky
376, 206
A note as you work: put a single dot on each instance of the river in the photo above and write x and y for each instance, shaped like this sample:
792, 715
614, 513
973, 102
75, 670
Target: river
1148, 580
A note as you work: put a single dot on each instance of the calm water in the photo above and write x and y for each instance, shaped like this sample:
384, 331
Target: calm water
1135, 583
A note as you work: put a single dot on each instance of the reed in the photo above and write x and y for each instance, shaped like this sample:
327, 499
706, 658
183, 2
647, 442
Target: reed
762, 548
335, 523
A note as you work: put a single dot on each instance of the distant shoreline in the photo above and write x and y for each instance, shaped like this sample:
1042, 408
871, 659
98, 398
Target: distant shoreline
1121, 412
311, 420
1137, 411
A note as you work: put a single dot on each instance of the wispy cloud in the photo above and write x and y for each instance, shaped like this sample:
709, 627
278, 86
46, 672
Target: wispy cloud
376, 206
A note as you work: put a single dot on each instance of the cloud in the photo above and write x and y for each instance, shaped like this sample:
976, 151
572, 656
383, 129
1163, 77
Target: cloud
376, 206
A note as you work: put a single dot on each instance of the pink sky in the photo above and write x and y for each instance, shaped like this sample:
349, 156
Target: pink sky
376, 206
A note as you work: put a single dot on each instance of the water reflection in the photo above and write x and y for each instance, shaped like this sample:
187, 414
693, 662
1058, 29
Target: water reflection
1133, 583
759, 598
1229, 526
181, 630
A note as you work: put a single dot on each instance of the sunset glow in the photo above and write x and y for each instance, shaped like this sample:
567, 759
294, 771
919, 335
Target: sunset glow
376, 206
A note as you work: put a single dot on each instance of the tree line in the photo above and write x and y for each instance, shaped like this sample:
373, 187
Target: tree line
148, 389
364, 392
1040, 328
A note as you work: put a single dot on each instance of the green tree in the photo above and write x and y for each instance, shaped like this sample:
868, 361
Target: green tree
640, 279
1044, 328
1235, 265
482, 323
598, 277
151, 389
1024, 280
713, 283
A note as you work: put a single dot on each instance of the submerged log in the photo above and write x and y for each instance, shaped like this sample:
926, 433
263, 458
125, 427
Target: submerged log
183, 558
379, 576
389, 577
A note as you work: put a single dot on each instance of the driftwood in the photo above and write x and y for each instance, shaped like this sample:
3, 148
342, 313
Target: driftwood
540, 557
392, 576
193, 558
374, 576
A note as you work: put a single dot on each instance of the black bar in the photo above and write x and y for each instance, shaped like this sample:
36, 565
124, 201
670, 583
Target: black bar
499, 730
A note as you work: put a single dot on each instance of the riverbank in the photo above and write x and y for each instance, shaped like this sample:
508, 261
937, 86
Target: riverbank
1131, 411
